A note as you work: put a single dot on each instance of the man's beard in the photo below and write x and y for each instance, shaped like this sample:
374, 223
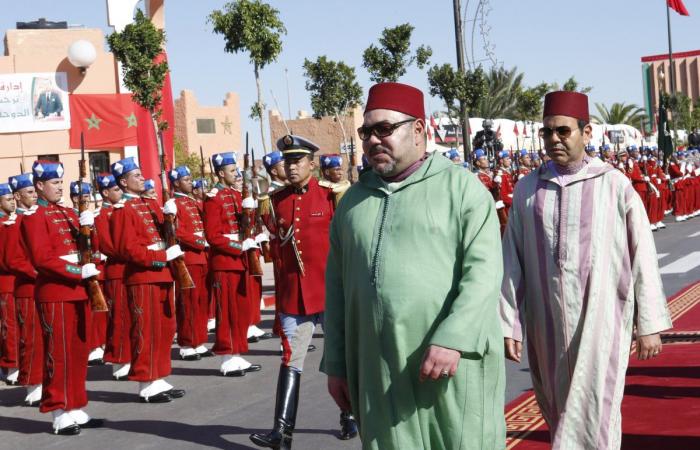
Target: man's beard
388, 168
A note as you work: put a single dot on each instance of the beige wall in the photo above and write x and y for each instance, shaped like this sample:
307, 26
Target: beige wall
687, 78
324, 132
227, 125
45, 51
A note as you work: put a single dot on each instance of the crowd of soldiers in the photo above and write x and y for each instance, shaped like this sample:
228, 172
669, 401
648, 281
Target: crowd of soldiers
158, 290
671, 189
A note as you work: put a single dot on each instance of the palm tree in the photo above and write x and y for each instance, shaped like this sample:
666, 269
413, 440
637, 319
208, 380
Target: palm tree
502, 94
619, 113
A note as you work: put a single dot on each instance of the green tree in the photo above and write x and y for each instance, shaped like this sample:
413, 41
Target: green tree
695, 115
571, 85
529, 102
137, 48
682, 116
253, 27
501, 100
389, 60
333, 87
454, 87
619, 113
192, 160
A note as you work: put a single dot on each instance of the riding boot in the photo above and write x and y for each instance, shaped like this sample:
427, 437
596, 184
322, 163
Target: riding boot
285, 412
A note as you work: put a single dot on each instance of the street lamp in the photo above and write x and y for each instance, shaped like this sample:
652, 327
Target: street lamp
82, 54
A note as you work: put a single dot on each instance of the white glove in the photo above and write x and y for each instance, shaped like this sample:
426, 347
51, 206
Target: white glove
87, 219
668, 177
249, 244
646, 178
497, 179
500, 204
630, 163
170, 207
620, 166
644, 158
89, 270
249, 203
173, 252
262, 237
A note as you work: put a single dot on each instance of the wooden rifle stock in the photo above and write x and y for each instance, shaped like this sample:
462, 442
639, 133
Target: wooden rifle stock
182, 275
265, 246
92, 285
248, 230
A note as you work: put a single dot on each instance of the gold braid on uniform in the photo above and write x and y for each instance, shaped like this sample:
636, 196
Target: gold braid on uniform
264, 204
337, 188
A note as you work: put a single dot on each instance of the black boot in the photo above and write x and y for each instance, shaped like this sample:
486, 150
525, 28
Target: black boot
348, 426
285, 412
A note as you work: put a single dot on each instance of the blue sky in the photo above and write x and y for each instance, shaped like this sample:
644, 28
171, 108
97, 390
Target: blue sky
600, 42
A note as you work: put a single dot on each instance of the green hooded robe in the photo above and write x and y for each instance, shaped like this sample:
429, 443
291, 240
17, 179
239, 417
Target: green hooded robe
410, 265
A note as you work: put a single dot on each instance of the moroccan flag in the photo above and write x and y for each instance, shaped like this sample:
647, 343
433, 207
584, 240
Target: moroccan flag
678, 6
524, 131
515, 129
663, 139
107, 120
148, 148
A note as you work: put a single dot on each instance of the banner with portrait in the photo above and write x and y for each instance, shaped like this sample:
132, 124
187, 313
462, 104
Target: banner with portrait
34, 102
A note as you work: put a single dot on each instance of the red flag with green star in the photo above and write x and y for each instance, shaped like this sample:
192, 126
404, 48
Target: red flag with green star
107, 120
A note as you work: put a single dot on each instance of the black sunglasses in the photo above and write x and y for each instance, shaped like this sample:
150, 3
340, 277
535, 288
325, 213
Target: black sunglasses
381, 129
563, 132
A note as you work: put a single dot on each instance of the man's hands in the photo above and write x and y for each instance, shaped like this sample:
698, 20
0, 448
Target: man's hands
438, 361
338, 388
514, 349
648, 346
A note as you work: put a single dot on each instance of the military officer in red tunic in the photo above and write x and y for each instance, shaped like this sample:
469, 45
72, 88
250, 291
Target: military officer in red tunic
192, 305
138, 241
525, 164
222, 214
300, 218
16, 261
118, 345
8, 321
50, 235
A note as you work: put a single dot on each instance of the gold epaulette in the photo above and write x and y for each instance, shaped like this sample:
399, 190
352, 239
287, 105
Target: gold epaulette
265, 201
338, 189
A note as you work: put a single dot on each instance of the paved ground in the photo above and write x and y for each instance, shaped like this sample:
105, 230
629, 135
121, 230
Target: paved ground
220, 412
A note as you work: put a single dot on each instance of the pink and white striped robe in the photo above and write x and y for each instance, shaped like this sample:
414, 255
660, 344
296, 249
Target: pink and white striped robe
578, 260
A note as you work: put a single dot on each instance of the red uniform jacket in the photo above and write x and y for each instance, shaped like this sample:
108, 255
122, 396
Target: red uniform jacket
7, 279
135, 227
50, 233
486, 179
523, 172
190, 230
16, 260
310, 212
637, 178
114, 267
222, 208
507, 186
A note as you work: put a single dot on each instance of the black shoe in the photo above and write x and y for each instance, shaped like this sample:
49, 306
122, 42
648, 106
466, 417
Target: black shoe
266, 336
176, 393
11, 383
253, 339
234, 373
311, 348
161, 397
193, 357
96, 362
70, 430
286, 404
93, 423
348, 426
31, 404
206, 354
253, 368
122, 378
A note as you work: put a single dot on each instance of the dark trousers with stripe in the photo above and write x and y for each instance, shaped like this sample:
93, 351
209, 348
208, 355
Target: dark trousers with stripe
31, 344
64, 327
232, 313
152, 330
118, 347
193, 309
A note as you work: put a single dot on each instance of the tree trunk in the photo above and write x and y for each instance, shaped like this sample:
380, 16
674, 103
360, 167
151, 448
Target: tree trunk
258, 85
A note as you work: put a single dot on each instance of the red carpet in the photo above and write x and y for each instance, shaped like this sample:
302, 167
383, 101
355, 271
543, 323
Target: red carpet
661, 407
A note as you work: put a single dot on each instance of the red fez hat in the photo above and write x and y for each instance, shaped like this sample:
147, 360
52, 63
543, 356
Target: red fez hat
566, 103
396, 97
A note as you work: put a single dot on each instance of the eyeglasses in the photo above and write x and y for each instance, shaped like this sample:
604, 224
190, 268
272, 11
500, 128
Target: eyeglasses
381, 129
563, 132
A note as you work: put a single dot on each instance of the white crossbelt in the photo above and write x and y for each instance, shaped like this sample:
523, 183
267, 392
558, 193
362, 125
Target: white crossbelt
157, 246
232, 236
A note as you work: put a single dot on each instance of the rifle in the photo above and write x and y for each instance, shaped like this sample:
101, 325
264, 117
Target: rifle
182, 275
267, 254
351, 161
496, 192
92, 285
248, 230
201, 164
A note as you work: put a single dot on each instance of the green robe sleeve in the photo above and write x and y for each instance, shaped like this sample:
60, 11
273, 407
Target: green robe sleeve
473, 315
333, 363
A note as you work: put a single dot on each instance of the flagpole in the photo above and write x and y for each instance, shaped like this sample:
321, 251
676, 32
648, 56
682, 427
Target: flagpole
671, 72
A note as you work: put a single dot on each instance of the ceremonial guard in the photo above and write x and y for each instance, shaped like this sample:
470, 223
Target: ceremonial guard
8, 318
98, 323
51, 238
525, 164
138, 241
118, 343
16, 261
222, 214
274, 165
192, 305
453, 155
199, 190
300, 217
149, 189
481, 162
503, 187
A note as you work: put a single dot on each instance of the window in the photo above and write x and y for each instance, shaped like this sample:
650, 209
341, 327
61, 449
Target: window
48, 158
99, 163
206, 126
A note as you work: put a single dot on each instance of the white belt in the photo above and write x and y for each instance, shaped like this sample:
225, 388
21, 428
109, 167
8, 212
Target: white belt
199, 233
157, 246
232, 236
72, 258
